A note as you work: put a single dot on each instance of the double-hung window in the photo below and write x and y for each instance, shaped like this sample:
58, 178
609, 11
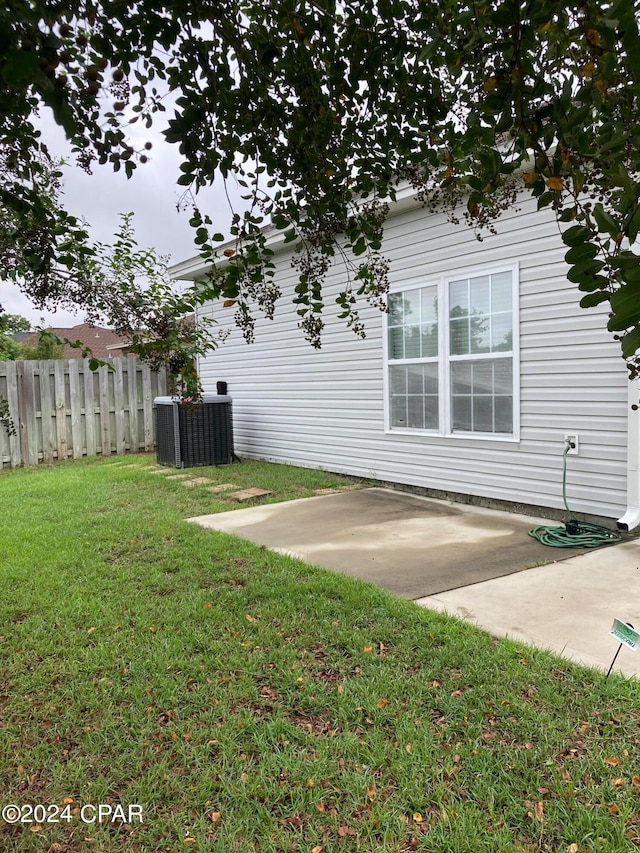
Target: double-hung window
452, 356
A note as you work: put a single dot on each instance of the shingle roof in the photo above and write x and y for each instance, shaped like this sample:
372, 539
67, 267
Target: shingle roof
98, 339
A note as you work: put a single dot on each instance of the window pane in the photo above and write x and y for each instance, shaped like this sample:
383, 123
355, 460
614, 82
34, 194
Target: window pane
501, 332
415, 379
398, 380
460, 378
414, 396
480, 295
399, 411
459, 336
412, 341
396, 342
481, 398
458, 298
431, 420
479, 327
430, 378
429, 340
501, 293
483, 414
395, 309
429, 304
483, 377
413, 324
503, 376
504, 414
461, 414
415, 412
411, 306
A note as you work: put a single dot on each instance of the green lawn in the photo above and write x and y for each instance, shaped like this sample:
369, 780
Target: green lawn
245, 701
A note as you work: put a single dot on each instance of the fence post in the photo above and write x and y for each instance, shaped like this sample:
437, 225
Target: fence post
60, 404
75, 401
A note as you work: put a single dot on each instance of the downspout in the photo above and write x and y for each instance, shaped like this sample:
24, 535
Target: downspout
631, 518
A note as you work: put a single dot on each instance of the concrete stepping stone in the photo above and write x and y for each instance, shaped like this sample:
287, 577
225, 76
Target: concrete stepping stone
222, 487
179, 477
249, 494
196, 481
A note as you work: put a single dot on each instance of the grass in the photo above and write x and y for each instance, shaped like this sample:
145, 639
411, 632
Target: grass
249, 702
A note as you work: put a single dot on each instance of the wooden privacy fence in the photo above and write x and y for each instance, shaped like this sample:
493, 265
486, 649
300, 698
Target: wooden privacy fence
62, 409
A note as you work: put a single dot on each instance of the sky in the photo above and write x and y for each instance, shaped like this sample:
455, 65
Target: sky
151, 194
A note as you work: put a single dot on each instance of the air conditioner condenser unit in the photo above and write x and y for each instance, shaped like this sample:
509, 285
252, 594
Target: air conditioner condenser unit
192, 434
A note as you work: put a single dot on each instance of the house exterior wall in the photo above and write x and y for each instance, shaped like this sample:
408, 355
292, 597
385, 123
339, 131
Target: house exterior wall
327, 408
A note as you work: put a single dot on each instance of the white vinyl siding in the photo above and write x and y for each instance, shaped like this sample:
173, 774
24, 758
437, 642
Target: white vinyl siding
330, 408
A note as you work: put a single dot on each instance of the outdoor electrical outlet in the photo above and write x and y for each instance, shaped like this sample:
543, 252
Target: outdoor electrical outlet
573, 440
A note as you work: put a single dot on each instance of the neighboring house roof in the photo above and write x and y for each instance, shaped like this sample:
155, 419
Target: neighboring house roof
103, 343
21, 337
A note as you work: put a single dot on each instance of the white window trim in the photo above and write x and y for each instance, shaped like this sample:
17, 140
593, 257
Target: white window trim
444, 386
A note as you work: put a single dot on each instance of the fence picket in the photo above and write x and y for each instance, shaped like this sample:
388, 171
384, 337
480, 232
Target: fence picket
27, 412
105, 426
47, 413
119, 412
147, 407
15, 453
76, 408
61, 408
132, 389
89, 410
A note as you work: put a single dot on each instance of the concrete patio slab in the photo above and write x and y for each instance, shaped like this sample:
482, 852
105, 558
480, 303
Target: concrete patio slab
567, 607
477, 564
412, 546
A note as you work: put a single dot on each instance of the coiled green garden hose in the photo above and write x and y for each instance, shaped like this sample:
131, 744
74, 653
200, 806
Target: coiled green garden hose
574, 533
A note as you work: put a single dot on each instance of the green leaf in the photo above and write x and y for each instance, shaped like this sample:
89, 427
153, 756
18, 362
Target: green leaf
625, 305
360, 246
633, 225
581, 253
21, 68
593, 299
630, 342
576, 235
589, 282
587, 271
606, 223
545, 199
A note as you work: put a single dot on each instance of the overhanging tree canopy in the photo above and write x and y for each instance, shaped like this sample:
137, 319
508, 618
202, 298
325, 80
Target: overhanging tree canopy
321, 109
